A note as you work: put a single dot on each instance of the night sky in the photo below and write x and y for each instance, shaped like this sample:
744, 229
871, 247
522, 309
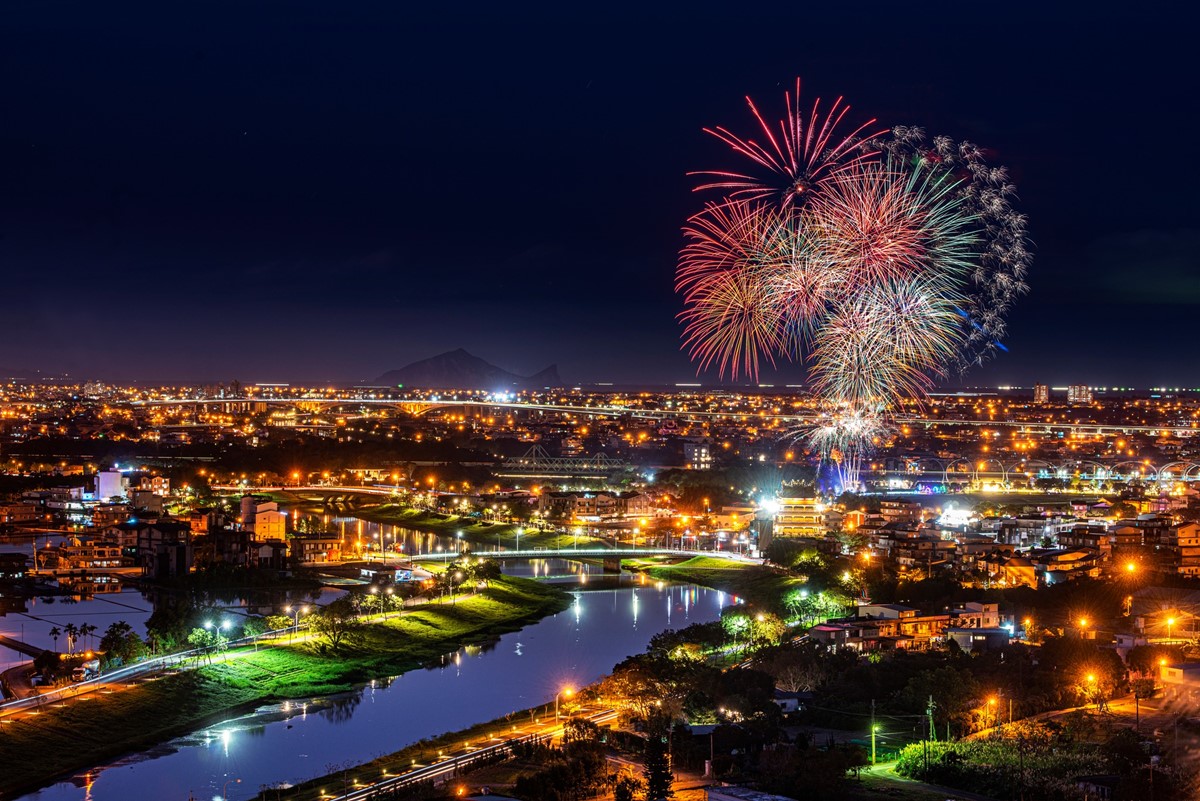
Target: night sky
292, 191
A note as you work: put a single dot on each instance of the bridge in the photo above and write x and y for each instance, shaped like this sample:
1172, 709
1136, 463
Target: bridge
537, 463
1019, 471
21, 647
585, 553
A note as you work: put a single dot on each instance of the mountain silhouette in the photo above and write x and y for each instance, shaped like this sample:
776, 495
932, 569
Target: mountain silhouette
458, 369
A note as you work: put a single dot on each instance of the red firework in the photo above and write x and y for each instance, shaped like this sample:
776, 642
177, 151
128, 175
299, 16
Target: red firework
805, 152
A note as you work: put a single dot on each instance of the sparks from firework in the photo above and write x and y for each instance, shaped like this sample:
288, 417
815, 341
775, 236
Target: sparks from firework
805, 152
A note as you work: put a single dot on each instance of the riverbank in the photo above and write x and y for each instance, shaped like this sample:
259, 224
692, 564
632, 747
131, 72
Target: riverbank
479, 533
57, 741
538, 721
759, 585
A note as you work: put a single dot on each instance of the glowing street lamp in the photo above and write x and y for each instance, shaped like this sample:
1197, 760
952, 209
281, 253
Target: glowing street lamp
1170, 624
566, 692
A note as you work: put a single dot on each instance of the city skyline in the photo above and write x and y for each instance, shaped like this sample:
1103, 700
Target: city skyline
354, 198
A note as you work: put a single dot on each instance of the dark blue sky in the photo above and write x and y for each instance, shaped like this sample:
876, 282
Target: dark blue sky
299, 190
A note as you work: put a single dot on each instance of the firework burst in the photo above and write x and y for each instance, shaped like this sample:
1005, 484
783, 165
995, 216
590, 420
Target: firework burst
881, 261
807, 149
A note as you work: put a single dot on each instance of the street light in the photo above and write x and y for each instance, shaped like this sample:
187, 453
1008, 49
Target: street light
992, 703
1170, 624
295, 619
565, 691
874, 729
1083, 624
224, 794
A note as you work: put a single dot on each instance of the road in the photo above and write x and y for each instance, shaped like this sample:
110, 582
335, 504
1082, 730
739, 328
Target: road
453, 763
885, 773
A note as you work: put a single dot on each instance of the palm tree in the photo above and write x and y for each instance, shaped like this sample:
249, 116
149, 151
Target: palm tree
55, 633
72, 632
87, 630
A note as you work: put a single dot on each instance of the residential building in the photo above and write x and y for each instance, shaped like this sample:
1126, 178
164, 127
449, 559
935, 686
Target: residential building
1079, 394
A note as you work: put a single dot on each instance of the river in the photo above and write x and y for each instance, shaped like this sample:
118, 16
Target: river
295, 741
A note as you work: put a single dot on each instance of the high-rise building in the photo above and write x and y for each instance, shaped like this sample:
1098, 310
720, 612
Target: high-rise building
1079, 393
1041, 394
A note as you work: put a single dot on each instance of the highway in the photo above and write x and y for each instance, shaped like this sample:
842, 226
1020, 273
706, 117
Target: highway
420, 406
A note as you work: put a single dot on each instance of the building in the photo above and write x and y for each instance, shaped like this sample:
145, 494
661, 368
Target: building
110, 484
316, 548
264, 519
1182, 544
698, 455
19, 512
900, 511
799, 517
159, 485
1041, 394
1079, 393
1181, 682
599, 504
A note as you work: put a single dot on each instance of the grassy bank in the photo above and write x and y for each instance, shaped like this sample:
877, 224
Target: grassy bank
422, 752
36, 749
483, 535
756, 584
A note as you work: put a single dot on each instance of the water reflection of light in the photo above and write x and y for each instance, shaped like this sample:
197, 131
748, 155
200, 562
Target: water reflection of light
635, 608
577, 607
226, 736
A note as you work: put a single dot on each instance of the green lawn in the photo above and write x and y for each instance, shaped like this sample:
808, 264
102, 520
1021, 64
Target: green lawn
757, 584
35, 749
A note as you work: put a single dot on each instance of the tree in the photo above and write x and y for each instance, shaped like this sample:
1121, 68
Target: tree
86, 631
335, 622
55, 633
121, 643
657, 771
626, 788
486, 570
202, 640
956, 692
767, 628
72, 632
580, 729
277, 622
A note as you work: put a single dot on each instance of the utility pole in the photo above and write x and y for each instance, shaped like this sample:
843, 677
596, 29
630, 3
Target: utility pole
929, 714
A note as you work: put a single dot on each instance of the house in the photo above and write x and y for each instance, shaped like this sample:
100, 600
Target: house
311, 549
1181, 682
791, 701
978, 639
269, 555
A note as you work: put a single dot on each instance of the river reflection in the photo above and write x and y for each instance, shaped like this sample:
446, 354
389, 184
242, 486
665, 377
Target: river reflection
295, 741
